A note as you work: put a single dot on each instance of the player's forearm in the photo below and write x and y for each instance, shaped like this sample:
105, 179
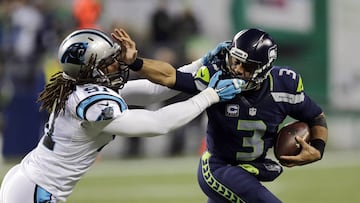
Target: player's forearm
178, 114
163, 73
144, 123
319, 133
143, 92
158, 72
319, 128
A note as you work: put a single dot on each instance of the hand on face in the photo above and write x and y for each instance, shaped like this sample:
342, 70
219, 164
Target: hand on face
128, 46
226, 89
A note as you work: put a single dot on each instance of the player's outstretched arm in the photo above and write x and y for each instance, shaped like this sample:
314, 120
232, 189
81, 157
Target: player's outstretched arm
159, 72
140, 122
165, 74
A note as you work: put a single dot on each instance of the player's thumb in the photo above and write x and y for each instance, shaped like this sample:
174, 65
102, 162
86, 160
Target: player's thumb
238, 84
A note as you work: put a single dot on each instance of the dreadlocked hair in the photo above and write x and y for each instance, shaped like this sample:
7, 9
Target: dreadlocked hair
57, 91
59, 88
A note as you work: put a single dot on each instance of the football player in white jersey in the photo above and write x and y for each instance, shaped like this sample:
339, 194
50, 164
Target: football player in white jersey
88, 111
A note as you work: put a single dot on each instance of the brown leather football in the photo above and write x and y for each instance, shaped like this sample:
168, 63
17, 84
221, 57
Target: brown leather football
286, 143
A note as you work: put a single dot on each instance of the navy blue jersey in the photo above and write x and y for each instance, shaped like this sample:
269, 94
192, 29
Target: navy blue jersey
244, 128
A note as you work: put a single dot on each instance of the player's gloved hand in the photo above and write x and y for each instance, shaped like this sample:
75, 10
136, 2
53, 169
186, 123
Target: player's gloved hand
227, 89
212, 56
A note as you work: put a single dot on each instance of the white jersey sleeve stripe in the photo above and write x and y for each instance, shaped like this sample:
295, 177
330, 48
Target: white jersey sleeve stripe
287, 97
88, 102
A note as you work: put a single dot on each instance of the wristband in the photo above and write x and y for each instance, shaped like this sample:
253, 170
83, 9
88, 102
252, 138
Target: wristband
137, 65
318, 144
185, 83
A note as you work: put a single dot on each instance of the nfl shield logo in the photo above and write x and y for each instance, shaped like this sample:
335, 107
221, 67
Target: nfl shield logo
252, 111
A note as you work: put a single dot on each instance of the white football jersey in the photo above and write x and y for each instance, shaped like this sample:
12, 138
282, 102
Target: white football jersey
64, 155
92, 117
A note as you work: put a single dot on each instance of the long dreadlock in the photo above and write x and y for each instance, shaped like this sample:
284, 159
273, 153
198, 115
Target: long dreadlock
58, 91
61, 86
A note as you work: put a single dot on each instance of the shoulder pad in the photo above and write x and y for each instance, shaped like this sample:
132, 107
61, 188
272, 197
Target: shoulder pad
88, 99
286, 85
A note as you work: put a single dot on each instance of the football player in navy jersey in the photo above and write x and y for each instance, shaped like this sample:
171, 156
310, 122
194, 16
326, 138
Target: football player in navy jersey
242, 130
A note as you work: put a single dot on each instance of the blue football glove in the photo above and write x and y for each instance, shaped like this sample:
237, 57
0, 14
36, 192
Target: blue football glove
211, 56
227, 89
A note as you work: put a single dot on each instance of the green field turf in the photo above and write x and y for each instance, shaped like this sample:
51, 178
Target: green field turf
162, 180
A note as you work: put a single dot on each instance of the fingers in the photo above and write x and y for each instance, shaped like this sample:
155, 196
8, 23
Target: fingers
287, 164
217, 74
238, 83
121, 35
214, 79
227, 89
221, 46
121, 32
290, 161
116, 35
289, 158
128, 46
306, 155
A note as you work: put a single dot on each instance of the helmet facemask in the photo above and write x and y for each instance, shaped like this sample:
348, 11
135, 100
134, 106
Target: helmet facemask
110, 78
256, 52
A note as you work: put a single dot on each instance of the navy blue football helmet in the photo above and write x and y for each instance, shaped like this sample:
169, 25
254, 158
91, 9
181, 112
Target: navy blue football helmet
257, 51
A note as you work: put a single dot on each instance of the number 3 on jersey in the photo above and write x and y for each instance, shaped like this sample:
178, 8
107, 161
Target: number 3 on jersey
253, 143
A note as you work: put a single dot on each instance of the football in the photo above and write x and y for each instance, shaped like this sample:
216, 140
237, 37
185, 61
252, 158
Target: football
286, 143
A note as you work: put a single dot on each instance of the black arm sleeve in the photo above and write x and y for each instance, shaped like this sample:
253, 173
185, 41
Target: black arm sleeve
185, 83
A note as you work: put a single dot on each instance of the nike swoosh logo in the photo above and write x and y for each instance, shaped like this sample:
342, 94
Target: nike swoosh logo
202, 74
107, 104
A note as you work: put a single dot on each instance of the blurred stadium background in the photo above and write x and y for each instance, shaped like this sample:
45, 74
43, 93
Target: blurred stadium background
318, 38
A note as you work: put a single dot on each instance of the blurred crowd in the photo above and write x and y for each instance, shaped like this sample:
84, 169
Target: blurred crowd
30, 32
